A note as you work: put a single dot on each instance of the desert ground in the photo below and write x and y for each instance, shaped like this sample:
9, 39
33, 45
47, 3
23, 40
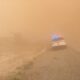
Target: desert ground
26, 27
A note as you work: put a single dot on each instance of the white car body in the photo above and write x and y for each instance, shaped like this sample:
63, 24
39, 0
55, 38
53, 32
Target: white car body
59, 43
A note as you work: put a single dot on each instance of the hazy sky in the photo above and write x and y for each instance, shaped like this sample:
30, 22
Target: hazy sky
38, 16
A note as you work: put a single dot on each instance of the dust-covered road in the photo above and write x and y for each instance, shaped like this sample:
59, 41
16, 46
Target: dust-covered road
63, 64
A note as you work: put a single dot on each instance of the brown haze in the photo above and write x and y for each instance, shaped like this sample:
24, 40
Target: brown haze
34, 21
37, 19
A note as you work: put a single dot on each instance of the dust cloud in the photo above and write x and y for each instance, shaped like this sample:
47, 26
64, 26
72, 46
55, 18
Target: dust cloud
32, 22
38, 19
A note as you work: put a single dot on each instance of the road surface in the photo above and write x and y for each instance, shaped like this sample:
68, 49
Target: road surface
61, 64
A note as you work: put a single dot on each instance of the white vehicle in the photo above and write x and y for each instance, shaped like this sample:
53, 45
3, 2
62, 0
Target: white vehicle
58, 41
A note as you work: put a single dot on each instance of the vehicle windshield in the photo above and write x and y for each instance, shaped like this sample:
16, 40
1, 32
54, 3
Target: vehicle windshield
56, 37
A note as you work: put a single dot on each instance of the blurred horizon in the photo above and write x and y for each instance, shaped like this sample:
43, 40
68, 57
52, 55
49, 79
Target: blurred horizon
36, 20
